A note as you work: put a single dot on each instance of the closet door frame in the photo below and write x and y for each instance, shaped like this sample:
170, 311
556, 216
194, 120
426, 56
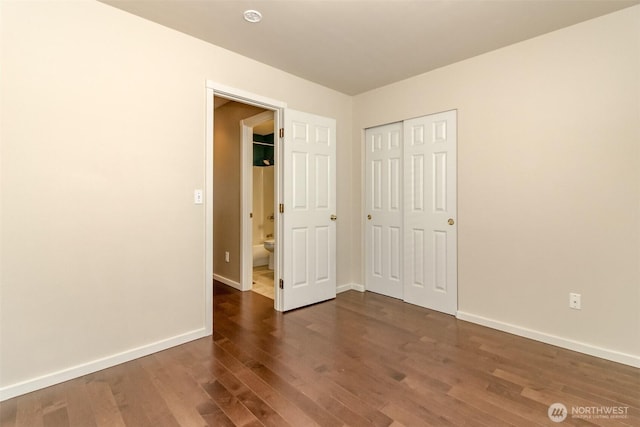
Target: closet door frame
435, 218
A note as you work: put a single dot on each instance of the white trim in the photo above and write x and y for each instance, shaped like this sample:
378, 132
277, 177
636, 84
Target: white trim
592, 350
246, 200
208, 213
244, 96
357, 287
278, 107
67, 374
363, 208
278, 116
228, 282
349, 287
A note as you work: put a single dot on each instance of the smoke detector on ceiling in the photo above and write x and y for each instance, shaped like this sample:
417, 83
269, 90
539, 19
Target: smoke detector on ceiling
252, 16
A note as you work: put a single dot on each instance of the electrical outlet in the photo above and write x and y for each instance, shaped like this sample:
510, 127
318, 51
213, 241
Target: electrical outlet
574, 301
226, 256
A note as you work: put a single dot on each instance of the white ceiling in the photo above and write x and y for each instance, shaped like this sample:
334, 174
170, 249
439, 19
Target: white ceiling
354, 46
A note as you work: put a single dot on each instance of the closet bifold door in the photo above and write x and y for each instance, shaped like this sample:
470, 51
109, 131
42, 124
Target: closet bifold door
383, 210
430, 229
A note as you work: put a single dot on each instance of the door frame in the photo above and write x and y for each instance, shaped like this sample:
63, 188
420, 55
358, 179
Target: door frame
278, 107
363, 203
246, 201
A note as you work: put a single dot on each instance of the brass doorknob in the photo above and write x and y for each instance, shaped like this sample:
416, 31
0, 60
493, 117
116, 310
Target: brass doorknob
451, 221
369, 216
333, 217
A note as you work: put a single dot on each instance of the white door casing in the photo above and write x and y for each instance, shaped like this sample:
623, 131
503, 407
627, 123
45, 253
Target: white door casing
278, 107
384, 206
430, 246
246, 200
309, 243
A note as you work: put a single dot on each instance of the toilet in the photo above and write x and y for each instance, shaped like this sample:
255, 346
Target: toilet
270, 245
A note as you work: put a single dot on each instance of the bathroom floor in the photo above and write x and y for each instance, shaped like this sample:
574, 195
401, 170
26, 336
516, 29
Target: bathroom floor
263, 281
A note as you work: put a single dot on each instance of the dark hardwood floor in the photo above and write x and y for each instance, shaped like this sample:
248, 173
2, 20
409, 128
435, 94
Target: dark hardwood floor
359, 360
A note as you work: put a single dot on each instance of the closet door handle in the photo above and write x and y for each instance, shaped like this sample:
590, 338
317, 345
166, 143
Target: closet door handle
333, 217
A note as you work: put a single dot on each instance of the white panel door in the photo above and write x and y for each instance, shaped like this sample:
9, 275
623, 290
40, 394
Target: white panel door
309, 244
430, 241
383, 200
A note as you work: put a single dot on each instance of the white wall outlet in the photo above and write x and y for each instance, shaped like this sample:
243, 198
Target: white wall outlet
197, 197
226, 256
574, 301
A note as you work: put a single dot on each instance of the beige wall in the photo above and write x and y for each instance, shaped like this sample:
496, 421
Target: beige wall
102, 144
257, 229
548, 177
263, 204
226, 187
267, 197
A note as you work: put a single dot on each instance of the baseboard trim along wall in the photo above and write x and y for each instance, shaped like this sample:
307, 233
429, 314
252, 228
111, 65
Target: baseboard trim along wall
603, 353
228, 282
349, 287
67, 374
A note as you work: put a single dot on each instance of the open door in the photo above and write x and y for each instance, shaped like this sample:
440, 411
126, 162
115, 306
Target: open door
309, 208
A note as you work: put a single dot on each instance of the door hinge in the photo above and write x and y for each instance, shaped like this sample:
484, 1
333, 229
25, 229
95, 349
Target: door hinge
281, 208
250, 214
281, 284
281, 133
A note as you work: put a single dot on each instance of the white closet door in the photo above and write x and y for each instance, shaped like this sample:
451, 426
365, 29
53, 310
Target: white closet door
309, 225
383, 239
430, 241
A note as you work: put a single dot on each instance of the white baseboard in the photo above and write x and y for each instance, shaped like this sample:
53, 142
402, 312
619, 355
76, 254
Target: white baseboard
226, 281
70, 373
357, 287
349, 287
592, 350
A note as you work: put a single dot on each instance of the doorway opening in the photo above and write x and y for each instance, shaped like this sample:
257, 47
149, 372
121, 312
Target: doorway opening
304, 262
259, 207
229, 198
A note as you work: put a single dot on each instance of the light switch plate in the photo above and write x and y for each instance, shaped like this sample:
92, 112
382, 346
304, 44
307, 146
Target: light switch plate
197, 197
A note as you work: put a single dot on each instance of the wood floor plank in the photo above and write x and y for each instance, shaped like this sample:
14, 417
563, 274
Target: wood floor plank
295, 395
311, 376
8, 414
230, 405
267, 393
173, 392
137, 398
409, 418
103, 404
54, 406
294, 415
479, 401
213, 415
79, 404
29, 411
359, 360
250, 400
